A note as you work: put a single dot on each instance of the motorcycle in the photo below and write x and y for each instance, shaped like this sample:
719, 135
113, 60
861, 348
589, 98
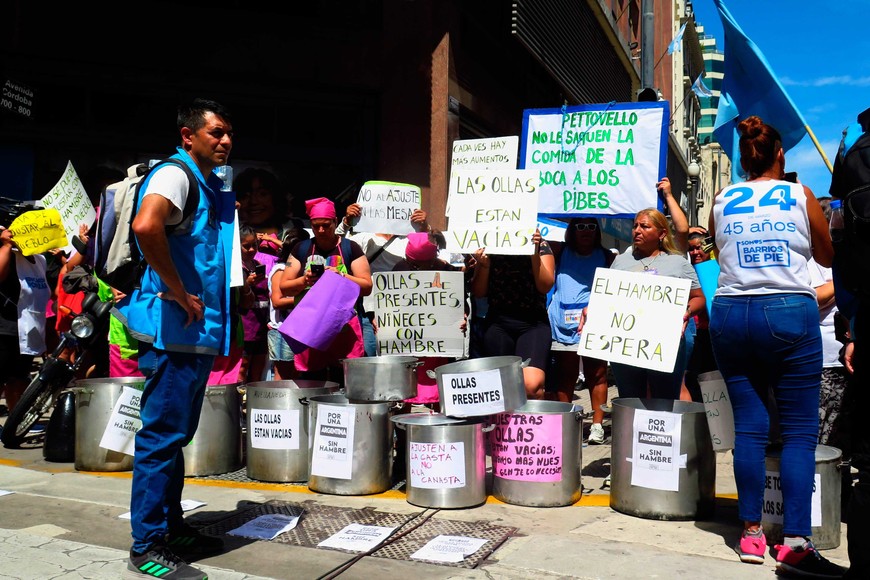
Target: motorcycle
58, 370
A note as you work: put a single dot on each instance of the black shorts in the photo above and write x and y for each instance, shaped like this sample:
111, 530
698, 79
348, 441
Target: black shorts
527, 339
13, 364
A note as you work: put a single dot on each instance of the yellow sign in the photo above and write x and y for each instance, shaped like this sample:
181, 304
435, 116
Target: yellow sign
38, 231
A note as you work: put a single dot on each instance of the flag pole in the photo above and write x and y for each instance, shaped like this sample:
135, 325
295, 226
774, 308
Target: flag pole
819, 148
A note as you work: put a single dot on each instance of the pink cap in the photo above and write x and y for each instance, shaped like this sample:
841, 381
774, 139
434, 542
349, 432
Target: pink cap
420, 248
320, 208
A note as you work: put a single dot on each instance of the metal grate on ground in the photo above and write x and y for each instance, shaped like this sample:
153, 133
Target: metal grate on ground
241, 476
318, 522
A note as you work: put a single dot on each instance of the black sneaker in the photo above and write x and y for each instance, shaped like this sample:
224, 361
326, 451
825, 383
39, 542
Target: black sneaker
805, 562
160, 562
185, 539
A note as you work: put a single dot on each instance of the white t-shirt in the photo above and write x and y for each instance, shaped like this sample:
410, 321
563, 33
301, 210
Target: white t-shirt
385, 261
276, 317
763, 236
820, 275
170, 181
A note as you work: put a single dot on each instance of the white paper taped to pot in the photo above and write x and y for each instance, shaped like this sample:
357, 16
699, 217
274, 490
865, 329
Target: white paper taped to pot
274, 428
437, 465
720, 415
773, 507
332, 452
527, 447
124, 423
655, 450
473, 394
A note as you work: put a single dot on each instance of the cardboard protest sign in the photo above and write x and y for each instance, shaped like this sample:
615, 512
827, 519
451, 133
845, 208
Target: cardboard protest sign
386, 207
720, 414
69, 197
38, 231
497, 210
419, 313
489, 153
600, 159
635, 319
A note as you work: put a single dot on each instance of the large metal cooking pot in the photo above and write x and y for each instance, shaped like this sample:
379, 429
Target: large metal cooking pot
380, 378
536, 454
277, 428
481, 386
216, 446
446, 460
95, 401
351, 446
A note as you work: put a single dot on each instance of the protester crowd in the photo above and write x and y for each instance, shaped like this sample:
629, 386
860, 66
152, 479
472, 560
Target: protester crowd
765, 328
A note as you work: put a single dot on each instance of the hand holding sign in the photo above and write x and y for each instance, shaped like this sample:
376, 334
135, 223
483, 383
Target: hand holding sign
38, 231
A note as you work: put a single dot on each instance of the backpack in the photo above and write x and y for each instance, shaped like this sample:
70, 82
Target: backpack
851, 183
119, 262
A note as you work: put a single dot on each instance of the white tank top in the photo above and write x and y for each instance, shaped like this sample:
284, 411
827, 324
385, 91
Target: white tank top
763, 236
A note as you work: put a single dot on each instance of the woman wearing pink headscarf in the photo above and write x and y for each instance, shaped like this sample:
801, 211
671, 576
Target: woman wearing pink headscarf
421, 254
327, 252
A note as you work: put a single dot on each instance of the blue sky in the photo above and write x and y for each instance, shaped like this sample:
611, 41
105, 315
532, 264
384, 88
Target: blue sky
821, 53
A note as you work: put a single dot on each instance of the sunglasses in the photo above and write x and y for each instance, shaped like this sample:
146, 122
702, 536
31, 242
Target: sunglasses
582, 227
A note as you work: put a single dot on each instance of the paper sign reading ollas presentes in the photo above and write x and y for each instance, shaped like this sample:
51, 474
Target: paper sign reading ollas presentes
332, 452
124, 423
472, 394
274, 428
437, 465
527, 447
655, 450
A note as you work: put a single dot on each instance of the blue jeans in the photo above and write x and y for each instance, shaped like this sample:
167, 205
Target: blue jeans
170, 406
764, 344
633, 381
370, 341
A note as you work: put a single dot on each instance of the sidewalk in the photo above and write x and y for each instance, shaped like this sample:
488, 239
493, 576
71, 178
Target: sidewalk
62, 523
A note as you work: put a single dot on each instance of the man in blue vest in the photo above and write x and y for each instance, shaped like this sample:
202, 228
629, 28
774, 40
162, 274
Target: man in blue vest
181, 317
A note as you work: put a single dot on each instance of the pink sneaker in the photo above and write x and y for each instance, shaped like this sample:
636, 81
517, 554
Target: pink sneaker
805, 562
751, 548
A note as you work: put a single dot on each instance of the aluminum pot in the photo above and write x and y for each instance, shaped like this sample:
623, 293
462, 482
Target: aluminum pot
351, 446
446, 460
95, 401
481, 386
380, 378
636, 487
216, 446
536, 454
277, 428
